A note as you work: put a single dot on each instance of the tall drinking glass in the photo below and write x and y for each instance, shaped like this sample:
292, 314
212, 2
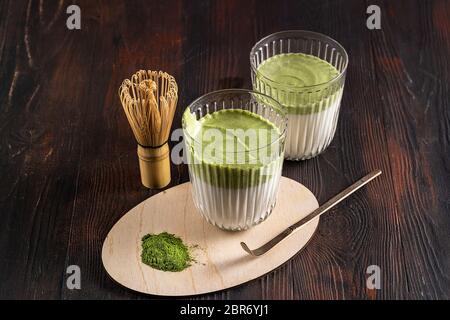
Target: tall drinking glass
304, 71
235, 150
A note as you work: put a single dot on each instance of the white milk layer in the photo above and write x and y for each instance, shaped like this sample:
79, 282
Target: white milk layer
310, 134
235, 208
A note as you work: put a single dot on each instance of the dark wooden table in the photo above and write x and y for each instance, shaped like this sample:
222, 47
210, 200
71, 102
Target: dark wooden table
68, 166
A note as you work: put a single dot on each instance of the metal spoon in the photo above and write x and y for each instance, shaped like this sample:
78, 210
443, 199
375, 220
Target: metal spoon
316, 213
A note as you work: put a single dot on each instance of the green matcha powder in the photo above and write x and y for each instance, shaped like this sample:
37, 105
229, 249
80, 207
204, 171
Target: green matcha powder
165, 252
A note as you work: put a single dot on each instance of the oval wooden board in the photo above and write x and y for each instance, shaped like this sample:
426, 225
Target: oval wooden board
221, 262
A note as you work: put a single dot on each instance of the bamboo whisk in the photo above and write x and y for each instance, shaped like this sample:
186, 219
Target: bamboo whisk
149, 100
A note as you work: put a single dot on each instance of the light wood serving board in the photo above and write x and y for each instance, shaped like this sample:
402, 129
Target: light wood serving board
221, 262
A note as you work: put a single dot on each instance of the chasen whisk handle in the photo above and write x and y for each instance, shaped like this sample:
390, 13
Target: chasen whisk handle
149, 100
154, 164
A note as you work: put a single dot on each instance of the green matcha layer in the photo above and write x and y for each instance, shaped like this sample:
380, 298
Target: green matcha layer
288, 78
223, 158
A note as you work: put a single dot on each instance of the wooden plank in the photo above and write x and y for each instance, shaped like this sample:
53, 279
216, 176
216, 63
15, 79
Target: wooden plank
67, 157
411, 120
39, 150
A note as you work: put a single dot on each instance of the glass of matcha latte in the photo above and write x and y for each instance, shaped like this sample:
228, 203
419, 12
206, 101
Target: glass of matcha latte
305, 72
235, 149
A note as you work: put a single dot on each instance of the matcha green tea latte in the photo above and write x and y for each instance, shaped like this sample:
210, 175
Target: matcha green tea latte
305, 72
235, 149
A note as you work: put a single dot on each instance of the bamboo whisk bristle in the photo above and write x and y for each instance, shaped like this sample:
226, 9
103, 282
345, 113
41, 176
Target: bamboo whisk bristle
149, 100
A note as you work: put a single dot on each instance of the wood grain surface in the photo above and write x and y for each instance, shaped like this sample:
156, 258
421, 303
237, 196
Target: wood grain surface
68, 166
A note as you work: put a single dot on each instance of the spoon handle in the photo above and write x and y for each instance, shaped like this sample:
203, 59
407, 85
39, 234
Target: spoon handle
316, 213
336, 199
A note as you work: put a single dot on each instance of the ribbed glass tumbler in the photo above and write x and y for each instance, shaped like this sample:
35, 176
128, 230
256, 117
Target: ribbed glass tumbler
280, 65
235, 187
